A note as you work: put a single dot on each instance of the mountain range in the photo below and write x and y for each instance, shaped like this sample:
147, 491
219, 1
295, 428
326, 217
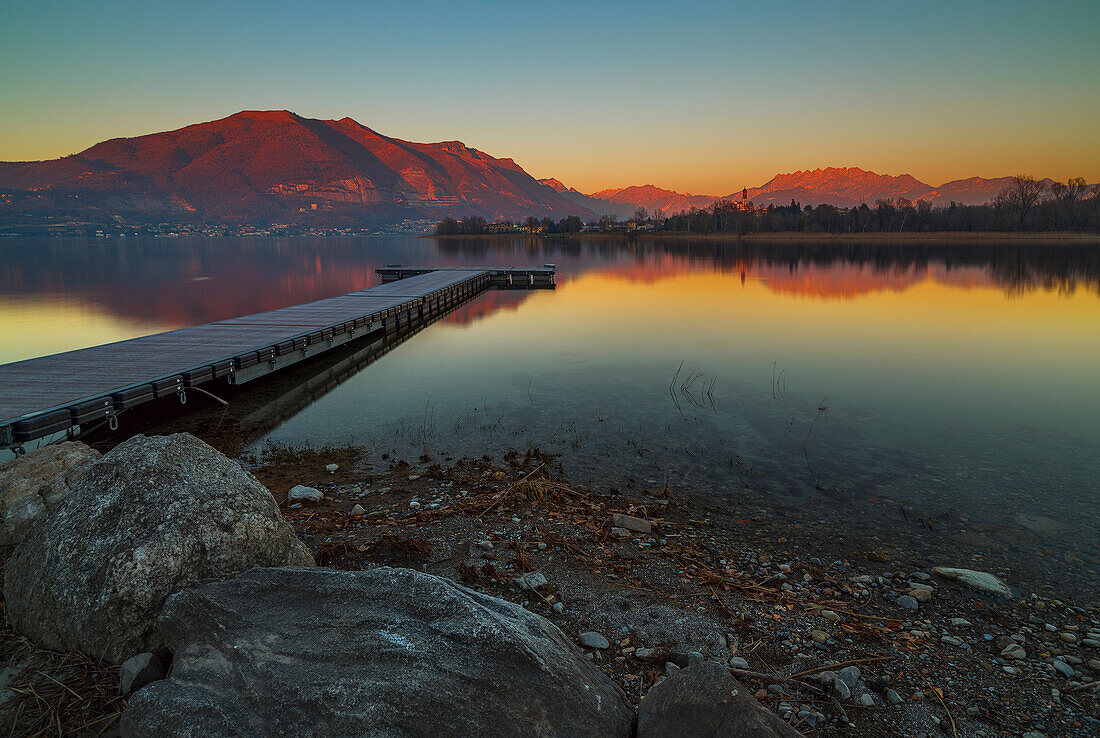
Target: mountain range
276, 166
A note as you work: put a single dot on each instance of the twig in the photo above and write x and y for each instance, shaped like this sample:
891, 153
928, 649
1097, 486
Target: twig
842, 663
946, 709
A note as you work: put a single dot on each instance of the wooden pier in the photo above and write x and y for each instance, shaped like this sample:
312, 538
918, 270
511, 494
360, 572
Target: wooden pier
75, 390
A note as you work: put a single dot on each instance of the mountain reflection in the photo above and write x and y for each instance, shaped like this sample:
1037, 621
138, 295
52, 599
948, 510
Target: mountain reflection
167, 283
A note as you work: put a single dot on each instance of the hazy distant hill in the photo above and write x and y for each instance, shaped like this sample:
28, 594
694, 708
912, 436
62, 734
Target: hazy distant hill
275, 165
840, 186
654, 199
597, 205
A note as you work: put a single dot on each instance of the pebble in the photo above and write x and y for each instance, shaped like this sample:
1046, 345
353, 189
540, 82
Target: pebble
952, 640
819, 636
531, 581
414, 477
414, 505
829, 615
592, 639
849, 675
1014, 651
907, 602
331, 468
1068, 637
1094, 664
959, 622
1064, 669
920, 594
301, 493
866, 700
485, 545
558, 607
739, 663
842, 690
541, 547
894, 698
357, 510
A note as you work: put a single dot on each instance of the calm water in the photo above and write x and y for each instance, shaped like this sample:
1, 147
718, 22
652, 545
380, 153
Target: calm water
947, 397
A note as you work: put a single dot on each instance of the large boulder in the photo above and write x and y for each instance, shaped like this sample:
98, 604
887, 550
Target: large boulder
36, 482
705, 701
146, 520
383, 652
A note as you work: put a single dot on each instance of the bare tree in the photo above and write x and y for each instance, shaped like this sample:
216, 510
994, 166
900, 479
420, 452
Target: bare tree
1020, 197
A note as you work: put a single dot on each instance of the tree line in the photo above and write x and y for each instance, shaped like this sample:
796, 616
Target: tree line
1026, 204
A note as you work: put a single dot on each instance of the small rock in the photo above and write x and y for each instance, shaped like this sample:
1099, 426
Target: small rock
414, 505
977, 579
684, 659
638, 525
1068, 637
738, 663
1094, 664
620, 532
866, 700
849, 675
1064, 669
357, 510
920, 594
952, 640
302, 493
531, 581
1014, 651
959, 622
485, 545
558, 607
541, 547
657, 655
137, 671
331, 468
829, 615
592, 639
894, 698
843, 691
907, 602
819, 636
414, 477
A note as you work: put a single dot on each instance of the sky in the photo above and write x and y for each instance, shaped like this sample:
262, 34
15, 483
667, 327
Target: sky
701, 97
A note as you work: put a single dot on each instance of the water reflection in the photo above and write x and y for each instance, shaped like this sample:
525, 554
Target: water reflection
961, 382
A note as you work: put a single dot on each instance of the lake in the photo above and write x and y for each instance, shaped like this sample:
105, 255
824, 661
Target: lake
941, 399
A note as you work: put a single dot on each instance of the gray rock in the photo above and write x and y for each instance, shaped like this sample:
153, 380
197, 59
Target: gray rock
331, 468
867, 700
357, 510
638, 525
1014, 651
738, 663
1064, 669
36, 482
849, 675
382, 652
302, 493
905, 602
704, 701
684, 659
530, 581
592, 639
977, 579
894, 698
843, 691
137, 671
146, 520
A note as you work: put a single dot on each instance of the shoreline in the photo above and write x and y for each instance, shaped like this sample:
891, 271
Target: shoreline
829, 633
765, 596
906, 237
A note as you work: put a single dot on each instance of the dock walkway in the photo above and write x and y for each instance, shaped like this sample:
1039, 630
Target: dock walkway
77, 389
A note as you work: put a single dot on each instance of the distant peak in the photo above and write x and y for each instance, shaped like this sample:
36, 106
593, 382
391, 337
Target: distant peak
266, 115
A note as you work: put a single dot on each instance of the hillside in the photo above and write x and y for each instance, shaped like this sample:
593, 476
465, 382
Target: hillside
275, 165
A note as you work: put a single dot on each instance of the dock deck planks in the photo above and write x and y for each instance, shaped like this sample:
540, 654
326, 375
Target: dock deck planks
48, 394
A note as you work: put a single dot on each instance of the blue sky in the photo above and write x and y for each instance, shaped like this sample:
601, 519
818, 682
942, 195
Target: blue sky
700, 97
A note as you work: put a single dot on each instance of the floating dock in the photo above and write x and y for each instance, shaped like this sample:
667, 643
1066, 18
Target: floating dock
77, 390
